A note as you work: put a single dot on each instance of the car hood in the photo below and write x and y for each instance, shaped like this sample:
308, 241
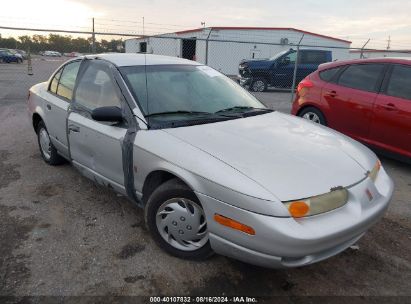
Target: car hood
258, 63
287, 156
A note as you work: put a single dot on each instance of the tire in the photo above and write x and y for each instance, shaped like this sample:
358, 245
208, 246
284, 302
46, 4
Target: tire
49, 155
314, 115
175, 200
259, 85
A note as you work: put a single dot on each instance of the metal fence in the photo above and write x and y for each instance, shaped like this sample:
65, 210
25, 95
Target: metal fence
40, 53
264, 64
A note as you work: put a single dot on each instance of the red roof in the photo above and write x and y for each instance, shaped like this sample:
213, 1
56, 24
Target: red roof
381, 51
263, 29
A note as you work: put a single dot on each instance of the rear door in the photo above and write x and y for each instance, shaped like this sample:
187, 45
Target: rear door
351, 99
57, 101
95, 147
391, 125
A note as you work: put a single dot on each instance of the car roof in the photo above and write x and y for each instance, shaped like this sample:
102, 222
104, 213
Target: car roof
402, 60
131, 59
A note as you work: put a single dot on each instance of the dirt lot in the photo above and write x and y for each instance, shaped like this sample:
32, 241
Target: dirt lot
60, 234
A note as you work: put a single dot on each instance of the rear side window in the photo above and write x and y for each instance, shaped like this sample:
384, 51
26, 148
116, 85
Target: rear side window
329, 74
55, 82
362, 77
97, 88
68, 79
399, 84
313, 57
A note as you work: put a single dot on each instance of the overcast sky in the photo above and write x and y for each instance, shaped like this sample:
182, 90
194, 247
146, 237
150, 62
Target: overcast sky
351, 19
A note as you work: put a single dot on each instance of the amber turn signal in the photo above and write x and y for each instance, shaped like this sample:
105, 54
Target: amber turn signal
374, 172
225, 221
298, 209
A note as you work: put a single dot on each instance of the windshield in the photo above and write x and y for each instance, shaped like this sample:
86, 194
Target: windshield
276, 56
187, 93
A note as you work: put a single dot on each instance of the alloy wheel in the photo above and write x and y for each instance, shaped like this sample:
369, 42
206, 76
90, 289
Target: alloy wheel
312, 117
258, 86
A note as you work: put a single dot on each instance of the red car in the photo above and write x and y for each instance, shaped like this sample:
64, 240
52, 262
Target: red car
367, 99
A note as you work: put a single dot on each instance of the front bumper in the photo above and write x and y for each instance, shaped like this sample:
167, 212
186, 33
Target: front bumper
295, 107
282, 242
245, 81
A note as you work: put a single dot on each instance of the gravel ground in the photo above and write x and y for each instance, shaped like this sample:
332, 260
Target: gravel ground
62, 235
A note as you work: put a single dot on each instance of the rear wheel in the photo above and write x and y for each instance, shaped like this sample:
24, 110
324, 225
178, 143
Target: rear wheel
47, 150
176, 220
314, 115
259, 85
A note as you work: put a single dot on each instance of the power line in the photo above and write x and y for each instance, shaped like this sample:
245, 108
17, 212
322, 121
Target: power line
66, 31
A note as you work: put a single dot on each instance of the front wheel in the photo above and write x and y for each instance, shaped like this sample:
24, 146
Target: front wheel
259, 85
314, 115
177, 222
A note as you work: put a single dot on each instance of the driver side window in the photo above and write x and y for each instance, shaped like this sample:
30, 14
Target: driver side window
97, 87
290, 58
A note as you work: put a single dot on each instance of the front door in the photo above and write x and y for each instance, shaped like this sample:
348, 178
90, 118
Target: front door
95, 147
282, 72
391, 125
189, 49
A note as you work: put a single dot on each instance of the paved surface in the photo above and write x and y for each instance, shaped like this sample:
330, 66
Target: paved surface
60, 234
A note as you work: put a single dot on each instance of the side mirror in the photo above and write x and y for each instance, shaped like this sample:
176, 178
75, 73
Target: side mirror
285, 61
109, 114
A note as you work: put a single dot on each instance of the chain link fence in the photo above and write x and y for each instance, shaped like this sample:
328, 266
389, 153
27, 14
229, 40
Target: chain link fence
27, 58
264, 62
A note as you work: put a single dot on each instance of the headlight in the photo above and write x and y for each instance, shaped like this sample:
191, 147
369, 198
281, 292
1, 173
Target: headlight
374, 172
318, 204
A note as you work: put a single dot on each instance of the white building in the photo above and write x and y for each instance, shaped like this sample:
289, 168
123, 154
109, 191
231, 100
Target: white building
356, 54
224, 47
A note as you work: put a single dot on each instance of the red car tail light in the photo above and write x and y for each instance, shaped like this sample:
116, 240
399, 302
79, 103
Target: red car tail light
303, 86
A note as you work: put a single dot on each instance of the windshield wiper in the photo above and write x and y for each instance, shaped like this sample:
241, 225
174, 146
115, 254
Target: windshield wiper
177, 112
243, 108
235, 108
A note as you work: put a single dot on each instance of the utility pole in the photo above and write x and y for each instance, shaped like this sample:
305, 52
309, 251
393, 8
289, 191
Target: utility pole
93, 38
389, 43
29, 66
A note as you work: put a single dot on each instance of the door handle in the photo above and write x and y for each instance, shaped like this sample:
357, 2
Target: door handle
48, 107
390, 107
332, 93
73, 128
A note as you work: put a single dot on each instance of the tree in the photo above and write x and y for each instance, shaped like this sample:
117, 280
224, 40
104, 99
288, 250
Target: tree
64, 44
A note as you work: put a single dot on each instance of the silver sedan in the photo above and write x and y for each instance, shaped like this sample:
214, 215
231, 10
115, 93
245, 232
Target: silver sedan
213, 168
